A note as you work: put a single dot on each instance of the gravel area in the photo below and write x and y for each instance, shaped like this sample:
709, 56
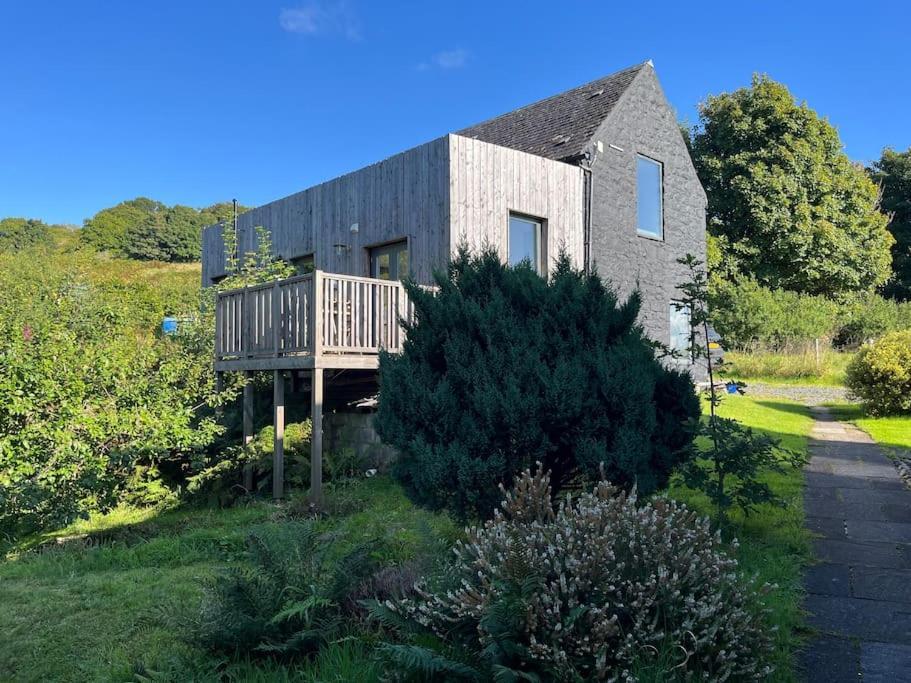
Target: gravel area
802, 393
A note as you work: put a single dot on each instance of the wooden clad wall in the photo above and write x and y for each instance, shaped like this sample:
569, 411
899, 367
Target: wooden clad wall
488, 181
435, 195
403, 197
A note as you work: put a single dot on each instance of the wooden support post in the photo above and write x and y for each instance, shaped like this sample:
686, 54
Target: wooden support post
219, 388
278, 461
248, 426
316, 437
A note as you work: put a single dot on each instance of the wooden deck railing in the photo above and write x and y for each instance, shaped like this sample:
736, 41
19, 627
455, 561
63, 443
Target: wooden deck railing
314, 314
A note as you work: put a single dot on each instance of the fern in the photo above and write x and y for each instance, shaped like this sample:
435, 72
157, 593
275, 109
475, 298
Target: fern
424, 662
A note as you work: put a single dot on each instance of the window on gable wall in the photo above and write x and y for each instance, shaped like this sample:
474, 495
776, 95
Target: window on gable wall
649, 197
680, 330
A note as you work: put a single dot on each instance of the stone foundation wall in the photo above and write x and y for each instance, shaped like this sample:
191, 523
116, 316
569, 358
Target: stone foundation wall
354, 431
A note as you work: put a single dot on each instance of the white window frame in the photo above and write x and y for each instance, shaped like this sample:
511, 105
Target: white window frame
538, 263
643, 233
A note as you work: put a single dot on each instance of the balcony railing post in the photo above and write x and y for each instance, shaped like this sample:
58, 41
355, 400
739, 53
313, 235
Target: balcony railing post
276, 319
219, 318
316, 338
247, 317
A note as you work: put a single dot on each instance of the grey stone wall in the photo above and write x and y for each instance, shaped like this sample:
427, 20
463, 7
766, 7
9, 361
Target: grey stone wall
344, 430
643, 123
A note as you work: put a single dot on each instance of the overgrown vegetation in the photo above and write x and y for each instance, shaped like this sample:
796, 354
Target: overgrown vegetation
893, 174
880, 375
595, 587
504, 368
148, 230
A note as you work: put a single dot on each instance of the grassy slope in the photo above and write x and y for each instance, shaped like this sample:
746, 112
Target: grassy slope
773, 543
110, 607
103, 612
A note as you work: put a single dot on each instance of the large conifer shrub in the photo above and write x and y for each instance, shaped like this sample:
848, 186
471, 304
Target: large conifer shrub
504, 368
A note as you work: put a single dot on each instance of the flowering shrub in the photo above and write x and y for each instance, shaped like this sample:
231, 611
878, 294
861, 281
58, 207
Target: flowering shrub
597, 587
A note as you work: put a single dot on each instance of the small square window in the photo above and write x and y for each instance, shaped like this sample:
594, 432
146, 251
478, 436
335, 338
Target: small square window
649, 197
303, 264
524, 241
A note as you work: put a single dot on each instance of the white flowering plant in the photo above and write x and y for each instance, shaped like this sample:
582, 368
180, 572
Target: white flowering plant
598, 586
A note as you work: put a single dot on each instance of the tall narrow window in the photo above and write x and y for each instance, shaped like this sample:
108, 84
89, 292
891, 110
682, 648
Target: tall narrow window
681, 329
649, 197
524, 241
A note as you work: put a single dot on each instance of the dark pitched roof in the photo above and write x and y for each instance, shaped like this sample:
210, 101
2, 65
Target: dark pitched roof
561, 126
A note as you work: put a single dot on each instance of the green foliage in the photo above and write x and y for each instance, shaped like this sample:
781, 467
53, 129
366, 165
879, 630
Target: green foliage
745, 314
792, 209
880, 375
289, 599
893, 173
748, 315
148, 230
503, 368
736, 458
593, 588
21, 233
88, 391
729, 465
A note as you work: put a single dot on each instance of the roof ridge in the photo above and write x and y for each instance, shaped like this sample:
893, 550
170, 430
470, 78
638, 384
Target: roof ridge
557, 126
614, 74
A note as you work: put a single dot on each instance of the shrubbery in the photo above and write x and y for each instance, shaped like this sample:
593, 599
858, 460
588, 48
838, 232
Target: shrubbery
749, 316
598, 587
504, 368
880, 374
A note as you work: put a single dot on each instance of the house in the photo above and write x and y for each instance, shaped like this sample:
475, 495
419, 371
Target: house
600, 171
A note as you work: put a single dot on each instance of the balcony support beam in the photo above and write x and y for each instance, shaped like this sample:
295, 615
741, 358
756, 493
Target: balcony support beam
278, 417
248, 426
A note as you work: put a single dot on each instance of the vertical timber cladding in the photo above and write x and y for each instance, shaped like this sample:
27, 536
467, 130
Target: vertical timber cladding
488, 181
403, 197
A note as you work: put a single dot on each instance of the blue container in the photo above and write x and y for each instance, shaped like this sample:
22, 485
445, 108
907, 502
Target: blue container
732, 388
169, 325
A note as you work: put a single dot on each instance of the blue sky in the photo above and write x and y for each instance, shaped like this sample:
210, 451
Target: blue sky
192, 102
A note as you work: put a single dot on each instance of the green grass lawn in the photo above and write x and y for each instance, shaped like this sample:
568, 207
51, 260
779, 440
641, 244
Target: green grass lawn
106, 599
773, 543
890, 432
109, 606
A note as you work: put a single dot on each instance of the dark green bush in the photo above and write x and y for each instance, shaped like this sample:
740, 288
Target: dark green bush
504, 368
880, 375
601, 586
865, 317
21, 233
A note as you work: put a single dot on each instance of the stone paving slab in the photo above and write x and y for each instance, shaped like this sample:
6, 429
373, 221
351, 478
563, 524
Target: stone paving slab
858, 597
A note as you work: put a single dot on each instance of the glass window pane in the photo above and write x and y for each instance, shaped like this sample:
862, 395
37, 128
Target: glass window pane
382, 266
523, 241
403, 264
680, 328
648, 193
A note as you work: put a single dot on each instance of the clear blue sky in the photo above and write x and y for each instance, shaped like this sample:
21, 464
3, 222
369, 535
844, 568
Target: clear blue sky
196, 102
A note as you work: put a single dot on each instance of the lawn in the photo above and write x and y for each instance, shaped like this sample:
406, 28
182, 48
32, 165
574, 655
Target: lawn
106, 599
109, 605
891, 432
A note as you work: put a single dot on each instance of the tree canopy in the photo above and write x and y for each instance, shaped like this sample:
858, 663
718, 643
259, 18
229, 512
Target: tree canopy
146, 229
893, 174
786, 203
21, 233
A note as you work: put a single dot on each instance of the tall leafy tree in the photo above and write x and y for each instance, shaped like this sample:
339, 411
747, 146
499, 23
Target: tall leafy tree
107, 229
893, 174
20, 233
786, 203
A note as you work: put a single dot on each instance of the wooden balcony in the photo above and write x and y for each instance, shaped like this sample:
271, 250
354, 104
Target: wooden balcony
319, 320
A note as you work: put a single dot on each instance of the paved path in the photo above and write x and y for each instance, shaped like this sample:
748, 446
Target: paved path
859, 595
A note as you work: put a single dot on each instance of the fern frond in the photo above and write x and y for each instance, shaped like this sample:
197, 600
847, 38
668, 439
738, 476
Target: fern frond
424, 662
